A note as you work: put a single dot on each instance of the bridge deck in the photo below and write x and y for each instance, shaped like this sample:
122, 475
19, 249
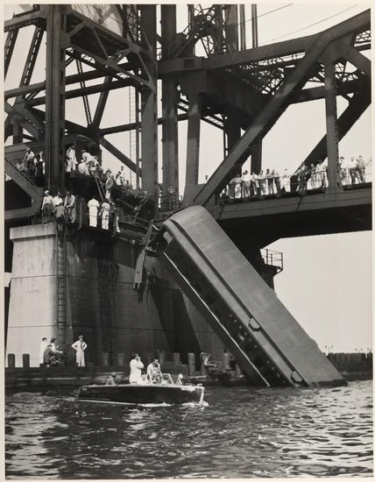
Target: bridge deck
314, 213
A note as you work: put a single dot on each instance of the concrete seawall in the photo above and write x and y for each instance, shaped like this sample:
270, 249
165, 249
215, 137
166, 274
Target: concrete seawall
353, 366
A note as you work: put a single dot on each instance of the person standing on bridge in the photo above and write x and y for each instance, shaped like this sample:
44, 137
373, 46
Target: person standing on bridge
71, 160
80, 346
246, 185
70, 208
48, 207
104, 213
93, 206
361, 169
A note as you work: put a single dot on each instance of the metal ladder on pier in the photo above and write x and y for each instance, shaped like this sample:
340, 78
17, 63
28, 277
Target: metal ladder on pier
61, 288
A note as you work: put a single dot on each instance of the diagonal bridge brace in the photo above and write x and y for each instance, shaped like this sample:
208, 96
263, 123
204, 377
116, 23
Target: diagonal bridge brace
297, 79
19, 114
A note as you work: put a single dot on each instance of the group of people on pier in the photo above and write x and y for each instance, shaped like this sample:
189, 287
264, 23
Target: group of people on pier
63, 210
248, 185
51, 356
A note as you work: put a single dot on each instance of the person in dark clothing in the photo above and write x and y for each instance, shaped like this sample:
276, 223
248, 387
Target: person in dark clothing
52, 357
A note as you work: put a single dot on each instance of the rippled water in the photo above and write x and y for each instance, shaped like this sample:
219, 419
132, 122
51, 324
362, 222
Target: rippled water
242, 432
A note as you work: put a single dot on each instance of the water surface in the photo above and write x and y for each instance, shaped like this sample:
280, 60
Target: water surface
242, 432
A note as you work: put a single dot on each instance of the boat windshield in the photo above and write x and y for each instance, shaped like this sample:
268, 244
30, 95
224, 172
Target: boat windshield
166, 378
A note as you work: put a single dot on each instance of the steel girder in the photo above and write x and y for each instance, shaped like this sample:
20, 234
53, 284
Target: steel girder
108, 49
10, 43
170, 98
356, 107
21, 115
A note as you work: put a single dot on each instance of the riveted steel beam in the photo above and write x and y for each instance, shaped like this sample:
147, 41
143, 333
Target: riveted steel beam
120, 155
37, 16
55, 101
19, 114
356, 107
170, 97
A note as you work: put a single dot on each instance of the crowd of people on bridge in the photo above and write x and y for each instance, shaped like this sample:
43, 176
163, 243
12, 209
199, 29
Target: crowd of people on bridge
267, 182
87, 164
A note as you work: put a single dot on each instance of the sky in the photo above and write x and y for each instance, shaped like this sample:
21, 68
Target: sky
327, 280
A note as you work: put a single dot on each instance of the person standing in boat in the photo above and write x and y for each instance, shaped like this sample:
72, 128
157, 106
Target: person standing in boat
136, 367
80, 346
154, 371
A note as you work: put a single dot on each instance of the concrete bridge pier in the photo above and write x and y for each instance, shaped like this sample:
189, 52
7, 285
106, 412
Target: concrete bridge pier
33, 300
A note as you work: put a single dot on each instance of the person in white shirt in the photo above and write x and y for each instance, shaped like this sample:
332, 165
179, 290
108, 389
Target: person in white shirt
48, 207
43, 347
93, 206
82, 168
286, 181
136, 367
80, 346
238, 186
59, 210
71, 160
58, 200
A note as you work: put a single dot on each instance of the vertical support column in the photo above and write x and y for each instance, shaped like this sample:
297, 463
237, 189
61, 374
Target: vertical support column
242, 28
55, 99
232, 132
192, 154
169, 104
331, 123
256, 156
149, 150
254, 25
231, 27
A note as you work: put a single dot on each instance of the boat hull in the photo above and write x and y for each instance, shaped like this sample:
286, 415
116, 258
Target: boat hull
142, 394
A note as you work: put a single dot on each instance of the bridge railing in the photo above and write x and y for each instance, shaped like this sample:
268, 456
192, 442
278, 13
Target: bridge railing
273, 258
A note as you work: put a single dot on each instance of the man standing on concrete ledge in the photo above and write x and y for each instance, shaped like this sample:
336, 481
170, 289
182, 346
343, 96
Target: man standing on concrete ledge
80, 347
43, 347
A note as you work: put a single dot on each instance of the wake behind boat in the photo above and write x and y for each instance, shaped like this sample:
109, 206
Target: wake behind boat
164, 392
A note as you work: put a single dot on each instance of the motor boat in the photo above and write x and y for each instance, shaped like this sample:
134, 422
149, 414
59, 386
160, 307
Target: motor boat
162, 391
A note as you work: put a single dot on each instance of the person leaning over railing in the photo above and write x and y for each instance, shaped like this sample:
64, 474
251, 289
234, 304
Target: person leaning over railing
361, 169
246, 185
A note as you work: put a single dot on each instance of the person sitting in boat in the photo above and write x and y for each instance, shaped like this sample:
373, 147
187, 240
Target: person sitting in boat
154, 372
136, 367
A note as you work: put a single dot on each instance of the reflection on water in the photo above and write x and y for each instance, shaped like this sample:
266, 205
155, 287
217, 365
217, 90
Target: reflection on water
241, 433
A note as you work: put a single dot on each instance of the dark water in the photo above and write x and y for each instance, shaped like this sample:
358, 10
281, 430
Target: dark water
241, 433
